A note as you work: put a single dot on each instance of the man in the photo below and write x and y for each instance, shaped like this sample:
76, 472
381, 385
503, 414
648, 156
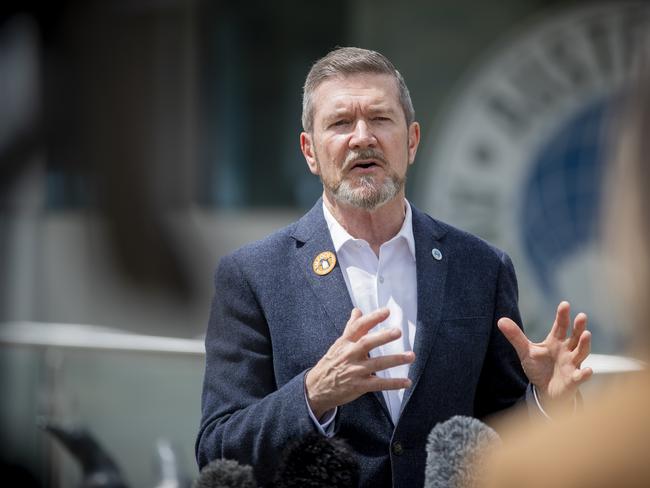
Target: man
367, 319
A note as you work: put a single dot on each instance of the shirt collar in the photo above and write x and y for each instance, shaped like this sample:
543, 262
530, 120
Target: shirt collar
340, 236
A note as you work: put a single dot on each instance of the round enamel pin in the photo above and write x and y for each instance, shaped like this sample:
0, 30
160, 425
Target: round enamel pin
324, 263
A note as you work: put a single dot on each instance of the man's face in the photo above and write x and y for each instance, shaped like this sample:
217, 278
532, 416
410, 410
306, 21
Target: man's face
360, 145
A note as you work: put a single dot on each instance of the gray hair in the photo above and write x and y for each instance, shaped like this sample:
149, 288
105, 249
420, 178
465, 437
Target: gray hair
346, 61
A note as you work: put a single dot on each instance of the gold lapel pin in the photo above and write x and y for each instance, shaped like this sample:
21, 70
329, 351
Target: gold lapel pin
324, 263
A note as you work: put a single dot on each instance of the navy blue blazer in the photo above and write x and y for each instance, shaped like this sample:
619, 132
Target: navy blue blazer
273, 318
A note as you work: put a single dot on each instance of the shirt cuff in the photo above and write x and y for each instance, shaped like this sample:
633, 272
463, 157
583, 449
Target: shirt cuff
326, 425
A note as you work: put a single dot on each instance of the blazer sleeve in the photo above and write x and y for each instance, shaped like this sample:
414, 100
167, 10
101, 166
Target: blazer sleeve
503, 381
245, 415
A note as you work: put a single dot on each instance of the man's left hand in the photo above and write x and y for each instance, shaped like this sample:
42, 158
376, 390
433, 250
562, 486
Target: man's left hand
553, 365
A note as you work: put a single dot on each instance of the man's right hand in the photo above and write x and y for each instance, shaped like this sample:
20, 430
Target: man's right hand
346, 371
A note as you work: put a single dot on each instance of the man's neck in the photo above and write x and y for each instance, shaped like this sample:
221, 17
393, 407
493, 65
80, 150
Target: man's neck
375, 227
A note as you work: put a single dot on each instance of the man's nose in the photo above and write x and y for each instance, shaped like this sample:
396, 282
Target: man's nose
362, 136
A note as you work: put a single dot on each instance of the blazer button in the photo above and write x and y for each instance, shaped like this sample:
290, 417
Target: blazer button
398, 450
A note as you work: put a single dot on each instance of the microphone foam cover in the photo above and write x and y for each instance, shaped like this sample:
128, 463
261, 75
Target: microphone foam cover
316, 461
224, 473
455, 450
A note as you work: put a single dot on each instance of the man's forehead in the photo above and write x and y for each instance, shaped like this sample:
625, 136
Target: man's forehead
345, 103
359, 81
378, 91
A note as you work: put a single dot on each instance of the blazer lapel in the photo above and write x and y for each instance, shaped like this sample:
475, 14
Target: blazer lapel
313, 237
431, 278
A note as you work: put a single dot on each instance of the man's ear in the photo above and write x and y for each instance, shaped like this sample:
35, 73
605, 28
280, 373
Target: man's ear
414, 141
307, 148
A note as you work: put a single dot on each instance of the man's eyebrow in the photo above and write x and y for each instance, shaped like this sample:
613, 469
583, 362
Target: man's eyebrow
341, 110
337, 112
346, 111
385, 109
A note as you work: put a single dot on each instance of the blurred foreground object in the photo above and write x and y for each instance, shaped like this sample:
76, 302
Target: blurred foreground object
456, 449
316, 461
224, 473
604, 446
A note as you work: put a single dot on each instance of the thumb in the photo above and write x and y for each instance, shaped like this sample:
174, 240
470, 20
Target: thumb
515, 336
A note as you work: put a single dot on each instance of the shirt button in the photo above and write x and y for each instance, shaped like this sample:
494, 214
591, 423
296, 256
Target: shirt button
381, 279
398, 450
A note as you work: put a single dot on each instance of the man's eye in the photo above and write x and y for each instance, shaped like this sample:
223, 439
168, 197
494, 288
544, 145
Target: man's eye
381, 119
341, 122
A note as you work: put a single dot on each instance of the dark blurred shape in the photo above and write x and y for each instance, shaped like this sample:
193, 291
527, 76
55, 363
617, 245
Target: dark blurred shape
317, 462
98, 468
171, 474
20, 129
110, 114
15, 475
224, 473
455, 449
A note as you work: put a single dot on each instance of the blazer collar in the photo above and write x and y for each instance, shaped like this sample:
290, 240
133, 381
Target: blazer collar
311, 225
431, 278
312, 238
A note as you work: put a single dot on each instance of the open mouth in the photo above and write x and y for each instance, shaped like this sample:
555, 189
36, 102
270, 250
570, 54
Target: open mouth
365, 164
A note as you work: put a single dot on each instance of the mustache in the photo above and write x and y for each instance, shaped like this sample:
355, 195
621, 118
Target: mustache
354, 156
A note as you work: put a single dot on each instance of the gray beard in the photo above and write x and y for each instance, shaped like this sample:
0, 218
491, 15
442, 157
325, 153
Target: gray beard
368, 196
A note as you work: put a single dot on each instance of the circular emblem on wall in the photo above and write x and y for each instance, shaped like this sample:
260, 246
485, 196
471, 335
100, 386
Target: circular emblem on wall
519, 155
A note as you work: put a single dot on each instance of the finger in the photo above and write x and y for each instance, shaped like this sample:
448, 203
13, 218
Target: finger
370, 341
583, 349
515, 336
375, 383
359, 324
384, 362
562, 321
579, 326
354, 315
581, 375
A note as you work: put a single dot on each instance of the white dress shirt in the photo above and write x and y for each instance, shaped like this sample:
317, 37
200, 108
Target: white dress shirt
388, 280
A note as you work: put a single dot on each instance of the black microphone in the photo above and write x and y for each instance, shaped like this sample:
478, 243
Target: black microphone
315, 461
455, 452
224, 473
